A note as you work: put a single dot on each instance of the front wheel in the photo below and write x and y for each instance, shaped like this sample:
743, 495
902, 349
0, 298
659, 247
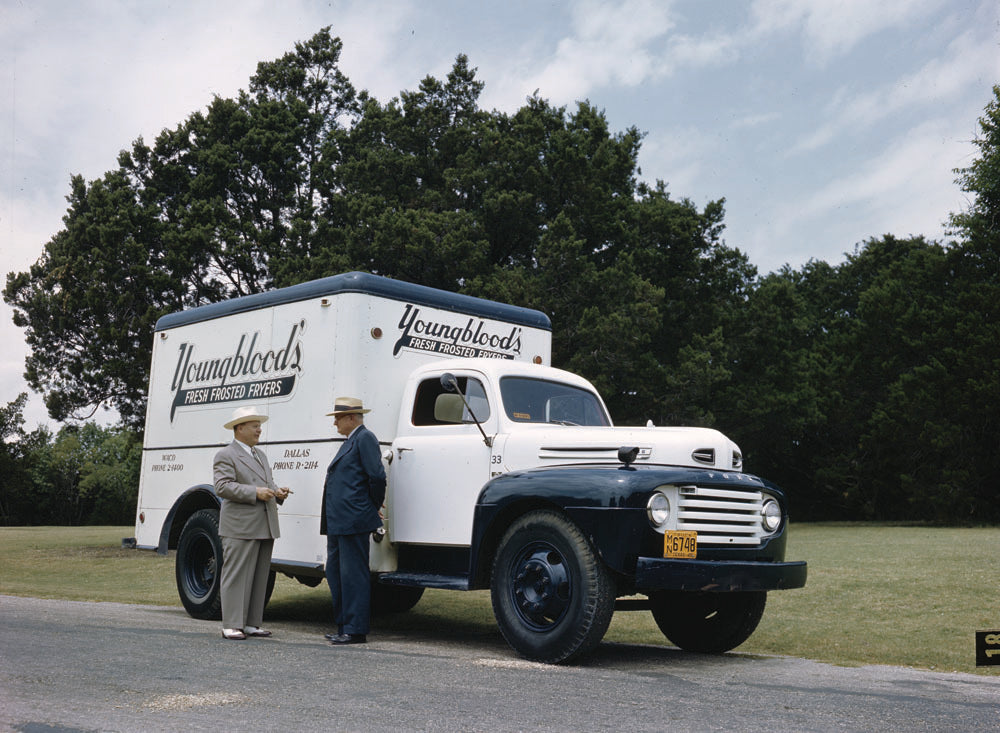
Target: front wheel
710, 623
552, 596
199, 565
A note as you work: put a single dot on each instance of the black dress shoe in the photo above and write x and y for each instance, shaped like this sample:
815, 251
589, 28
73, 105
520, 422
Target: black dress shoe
348, 639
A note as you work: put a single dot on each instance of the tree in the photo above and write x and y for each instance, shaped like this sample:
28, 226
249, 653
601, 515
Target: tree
679, 249
197, 218
774, 404
979, 225
88, 304
109, 474
84, 474
400, 209
599, 314
13, 470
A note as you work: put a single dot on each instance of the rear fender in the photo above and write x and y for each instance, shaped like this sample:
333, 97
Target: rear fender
197, 497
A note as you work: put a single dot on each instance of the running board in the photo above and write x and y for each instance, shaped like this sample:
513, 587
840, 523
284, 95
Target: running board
426, 580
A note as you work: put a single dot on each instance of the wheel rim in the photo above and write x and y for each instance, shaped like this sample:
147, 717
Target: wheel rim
540, 586
200, 569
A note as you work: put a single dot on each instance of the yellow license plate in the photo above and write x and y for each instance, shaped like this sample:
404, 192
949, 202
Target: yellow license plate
680, 543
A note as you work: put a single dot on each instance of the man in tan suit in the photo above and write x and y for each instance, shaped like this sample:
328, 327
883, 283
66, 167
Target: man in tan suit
248, 525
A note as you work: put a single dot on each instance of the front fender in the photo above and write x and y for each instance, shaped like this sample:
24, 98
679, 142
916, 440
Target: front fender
608, 503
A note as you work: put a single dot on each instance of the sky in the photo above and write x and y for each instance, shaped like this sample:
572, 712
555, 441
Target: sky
823, 123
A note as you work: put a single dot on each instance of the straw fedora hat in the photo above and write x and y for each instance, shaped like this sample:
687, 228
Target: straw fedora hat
244, 414
347, 406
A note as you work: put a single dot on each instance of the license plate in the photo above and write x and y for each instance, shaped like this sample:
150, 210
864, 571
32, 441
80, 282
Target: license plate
681, 543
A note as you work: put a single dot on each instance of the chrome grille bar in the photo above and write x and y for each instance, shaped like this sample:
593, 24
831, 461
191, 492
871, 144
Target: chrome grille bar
721, 517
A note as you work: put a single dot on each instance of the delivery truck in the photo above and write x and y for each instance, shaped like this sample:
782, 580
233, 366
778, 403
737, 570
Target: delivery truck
504, 472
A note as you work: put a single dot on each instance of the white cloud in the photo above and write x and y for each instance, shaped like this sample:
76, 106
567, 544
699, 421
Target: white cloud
833, 27
610, 44
755, 120
939, 81
698, 52
677, 156
906, 190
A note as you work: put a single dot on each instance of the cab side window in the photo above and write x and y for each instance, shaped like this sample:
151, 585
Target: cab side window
434, 405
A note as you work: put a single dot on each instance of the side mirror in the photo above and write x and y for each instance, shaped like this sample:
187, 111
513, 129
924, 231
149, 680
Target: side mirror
449, 383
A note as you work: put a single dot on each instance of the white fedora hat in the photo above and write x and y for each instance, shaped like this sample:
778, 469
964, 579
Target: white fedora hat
244, 414
348, 406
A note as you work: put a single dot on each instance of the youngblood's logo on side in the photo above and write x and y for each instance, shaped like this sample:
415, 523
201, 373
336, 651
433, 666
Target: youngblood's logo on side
472, 338
248, 373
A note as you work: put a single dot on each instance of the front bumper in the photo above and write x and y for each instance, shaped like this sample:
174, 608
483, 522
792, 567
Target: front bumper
719, 576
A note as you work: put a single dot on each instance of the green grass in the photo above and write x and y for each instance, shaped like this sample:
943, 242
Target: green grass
908, 596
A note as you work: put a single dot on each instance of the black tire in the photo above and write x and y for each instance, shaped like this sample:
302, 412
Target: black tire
388, 599
710, 623
199, 565
552, 596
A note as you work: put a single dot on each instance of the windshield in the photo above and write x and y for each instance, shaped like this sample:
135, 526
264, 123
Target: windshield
542, 401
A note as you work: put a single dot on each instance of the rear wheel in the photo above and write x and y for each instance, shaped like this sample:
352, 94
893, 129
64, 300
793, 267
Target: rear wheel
552, 596
199, 564
711, 623
269, 589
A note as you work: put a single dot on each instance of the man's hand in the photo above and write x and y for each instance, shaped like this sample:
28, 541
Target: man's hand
283, 492
264, 493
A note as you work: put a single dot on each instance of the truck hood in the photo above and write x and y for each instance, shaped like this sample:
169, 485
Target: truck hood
551, 445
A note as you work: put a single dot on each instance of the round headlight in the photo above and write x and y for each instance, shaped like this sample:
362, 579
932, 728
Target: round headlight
770, 516
658, 509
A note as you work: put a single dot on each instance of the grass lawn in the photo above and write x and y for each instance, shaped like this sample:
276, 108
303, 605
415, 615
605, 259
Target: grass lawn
876, 594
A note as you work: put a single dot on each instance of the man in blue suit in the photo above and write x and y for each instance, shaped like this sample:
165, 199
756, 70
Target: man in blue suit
352, 496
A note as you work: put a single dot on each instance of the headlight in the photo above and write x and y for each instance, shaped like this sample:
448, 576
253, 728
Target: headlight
737, 460
770, 516
658, 510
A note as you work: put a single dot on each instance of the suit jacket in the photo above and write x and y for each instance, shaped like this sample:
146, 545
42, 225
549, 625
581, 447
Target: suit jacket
355, 486
237, 476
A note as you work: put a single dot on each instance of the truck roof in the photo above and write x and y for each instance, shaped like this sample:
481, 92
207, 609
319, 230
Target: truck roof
366, 283
499, 368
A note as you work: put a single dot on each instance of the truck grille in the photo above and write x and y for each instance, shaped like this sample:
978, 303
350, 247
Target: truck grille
722, 517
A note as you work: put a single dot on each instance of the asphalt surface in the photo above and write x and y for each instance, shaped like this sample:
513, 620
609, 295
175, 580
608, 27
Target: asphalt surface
68, 666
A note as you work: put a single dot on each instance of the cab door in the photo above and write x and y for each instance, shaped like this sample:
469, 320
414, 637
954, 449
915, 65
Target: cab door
440, 465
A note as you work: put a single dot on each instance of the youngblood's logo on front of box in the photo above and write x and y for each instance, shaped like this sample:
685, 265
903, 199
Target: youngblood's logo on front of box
249, 373
471, 338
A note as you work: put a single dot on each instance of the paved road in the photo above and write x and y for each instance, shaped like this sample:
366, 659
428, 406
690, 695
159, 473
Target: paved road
67, 666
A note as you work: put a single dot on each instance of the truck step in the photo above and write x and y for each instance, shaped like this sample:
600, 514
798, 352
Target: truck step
426, 580
633, 604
